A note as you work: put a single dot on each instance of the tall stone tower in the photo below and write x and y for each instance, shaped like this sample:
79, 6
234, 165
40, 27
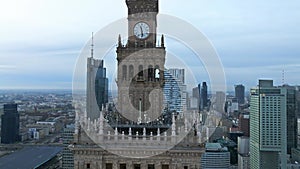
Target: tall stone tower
141, 140
141, 64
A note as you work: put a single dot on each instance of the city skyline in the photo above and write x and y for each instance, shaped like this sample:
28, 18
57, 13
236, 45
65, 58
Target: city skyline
111, 83
39, 48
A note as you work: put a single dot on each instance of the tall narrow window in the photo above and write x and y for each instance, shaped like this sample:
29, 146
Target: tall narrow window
165, 166
150, 73
151, 166
124, 72
137, 166
108, 166
122, 166
157, 73
141, 72
131, 72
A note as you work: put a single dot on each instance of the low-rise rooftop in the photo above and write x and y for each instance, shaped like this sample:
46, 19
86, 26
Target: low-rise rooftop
29, 157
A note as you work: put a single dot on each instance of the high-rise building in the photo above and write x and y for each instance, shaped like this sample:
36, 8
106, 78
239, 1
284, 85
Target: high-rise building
244, 121
97, 92
215, 156
268, 126
178, 74
195, 97
196, 92
291, 117
175, 90
10, 124
67, 154
243, 153
203, 96
220, 102
295, 152
240, 93
172, 93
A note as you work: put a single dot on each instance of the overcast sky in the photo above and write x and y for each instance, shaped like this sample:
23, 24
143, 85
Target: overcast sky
40, 40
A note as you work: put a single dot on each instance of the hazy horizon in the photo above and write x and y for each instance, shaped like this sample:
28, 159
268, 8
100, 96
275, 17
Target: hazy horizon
254, 39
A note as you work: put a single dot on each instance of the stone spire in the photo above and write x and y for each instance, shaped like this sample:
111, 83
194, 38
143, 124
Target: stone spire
119, 41
162, 41
144, 133
173, 125
130, 132
92, 46
101, 120
116, 131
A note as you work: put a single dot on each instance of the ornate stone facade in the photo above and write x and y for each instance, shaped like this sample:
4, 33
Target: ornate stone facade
134, 152
143, 140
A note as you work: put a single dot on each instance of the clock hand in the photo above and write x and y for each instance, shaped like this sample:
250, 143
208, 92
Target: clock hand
142, 31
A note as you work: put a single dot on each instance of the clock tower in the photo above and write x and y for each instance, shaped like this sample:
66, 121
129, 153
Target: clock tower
141, 64
142, 22
136, 135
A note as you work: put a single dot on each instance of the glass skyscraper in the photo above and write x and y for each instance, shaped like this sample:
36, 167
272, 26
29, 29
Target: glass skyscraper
203, 96
97, 91
240, 93
175, 90
10, 124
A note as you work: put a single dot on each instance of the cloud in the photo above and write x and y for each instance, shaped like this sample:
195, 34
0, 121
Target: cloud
7, 67
41, 40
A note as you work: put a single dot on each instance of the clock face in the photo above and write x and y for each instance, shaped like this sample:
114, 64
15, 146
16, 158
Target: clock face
141, 30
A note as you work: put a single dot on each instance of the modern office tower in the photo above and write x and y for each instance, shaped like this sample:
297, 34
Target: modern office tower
67, 155
231, 105
10, 124
178, 74
297, 88
268, 126
240, 93
196, 92
215, 156
203, 96
196, 96
243, 153
97, 92
171, 93
220, 101
244, 121
193, 103
291, 117
175, 90
199, 101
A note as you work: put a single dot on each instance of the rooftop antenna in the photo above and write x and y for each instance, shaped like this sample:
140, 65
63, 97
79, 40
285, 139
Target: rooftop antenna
283, 74
92, 46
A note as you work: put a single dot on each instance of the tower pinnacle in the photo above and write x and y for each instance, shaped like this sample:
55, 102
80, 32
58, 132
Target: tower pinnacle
162, 41
119, 41
92, 46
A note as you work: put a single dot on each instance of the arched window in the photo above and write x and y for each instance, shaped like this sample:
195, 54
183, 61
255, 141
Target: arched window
131, 72
124, 72
157, 73
150, 73
141, 72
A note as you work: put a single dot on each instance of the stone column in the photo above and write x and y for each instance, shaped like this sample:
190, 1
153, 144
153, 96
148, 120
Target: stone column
76, 164
129, 164
116, 165
144, 164
158, 165
81, 165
